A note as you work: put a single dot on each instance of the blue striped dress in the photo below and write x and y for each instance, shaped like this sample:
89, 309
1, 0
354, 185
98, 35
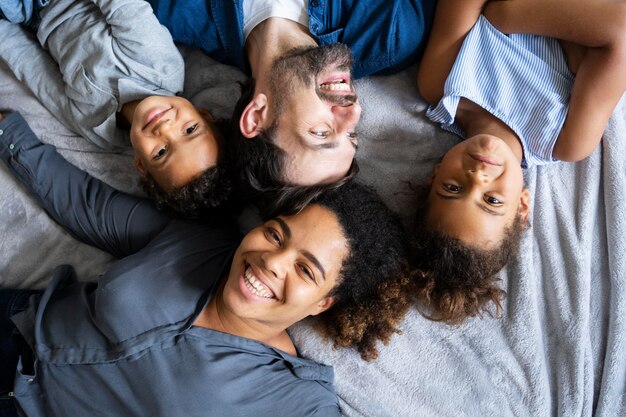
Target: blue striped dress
521, 79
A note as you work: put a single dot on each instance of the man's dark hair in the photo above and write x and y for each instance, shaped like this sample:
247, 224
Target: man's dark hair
258, 166
209, 191
371, 296
455, 280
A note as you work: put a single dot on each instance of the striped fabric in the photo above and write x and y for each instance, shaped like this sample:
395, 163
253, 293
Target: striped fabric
521, 79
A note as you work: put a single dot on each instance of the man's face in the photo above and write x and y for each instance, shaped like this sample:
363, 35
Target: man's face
316, 111
173, 141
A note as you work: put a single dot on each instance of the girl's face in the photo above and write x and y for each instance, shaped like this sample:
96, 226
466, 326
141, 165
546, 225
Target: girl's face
477, 191
284, 270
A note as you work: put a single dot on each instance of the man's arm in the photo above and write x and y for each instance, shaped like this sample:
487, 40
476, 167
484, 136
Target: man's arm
600, 27
90, 210
453, 21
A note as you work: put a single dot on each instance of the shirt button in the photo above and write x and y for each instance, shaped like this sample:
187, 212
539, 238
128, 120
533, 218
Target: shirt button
315, 27
30, 380
315, 3
1, 132
11, 146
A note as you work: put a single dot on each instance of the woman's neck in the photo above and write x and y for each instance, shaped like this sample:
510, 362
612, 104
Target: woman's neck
476, 120
216, 316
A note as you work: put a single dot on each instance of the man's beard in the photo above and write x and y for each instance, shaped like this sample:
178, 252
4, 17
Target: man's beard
300, 67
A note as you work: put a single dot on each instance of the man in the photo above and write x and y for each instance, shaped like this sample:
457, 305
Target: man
297, 124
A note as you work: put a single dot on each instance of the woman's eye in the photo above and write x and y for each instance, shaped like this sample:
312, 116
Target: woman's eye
191, 129
452, 188
306, 271
493, 201
273, 235
160, 153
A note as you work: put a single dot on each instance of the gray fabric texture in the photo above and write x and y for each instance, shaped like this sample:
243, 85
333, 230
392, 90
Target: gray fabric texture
558, 350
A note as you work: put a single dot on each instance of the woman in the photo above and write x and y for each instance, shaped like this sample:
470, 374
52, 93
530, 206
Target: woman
191, 320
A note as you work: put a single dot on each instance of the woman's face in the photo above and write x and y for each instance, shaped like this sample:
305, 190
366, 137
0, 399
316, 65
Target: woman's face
284, 270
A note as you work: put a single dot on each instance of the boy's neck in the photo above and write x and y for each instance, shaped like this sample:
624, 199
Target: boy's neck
268, 41
476, 120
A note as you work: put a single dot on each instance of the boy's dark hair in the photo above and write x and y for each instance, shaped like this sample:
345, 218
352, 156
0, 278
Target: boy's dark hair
209, 191
372, 295
258, 166
455, 280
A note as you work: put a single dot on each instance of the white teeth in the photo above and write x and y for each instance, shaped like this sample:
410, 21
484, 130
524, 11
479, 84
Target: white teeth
255, 286
338, 85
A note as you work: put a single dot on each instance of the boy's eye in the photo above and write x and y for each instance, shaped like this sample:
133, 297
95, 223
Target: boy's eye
160, 153
452, 188
492, 201
191, 129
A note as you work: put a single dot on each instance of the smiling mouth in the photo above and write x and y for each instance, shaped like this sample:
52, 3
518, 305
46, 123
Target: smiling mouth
255, 285
485, 159
155, 115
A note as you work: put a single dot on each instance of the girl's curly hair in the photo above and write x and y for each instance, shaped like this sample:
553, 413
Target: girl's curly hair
454, 280
373, 293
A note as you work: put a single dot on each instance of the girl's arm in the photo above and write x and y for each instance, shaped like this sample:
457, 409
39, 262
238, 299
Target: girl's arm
600, 27
453, 21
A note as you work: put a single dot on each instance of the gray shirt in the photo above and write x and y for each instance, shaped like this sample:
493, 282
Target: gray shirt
125, 345
92, 57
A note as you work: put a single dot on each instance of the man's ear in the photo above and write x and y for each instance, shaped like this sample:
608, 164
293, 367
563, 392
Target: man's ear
433, 175
524, 206
323, 305
139, 166
205, 113
254, 117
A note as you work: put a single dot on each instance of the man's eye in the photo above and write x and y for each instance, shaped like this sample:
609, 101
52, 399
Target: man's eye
191, 129
160, 153
321, 133
452, 188
492, 201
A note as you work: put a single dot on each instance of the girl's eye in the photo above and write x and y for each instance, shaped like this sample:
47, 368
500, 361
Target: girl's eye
306, 271
160, 153
492, 201
452, 188
191, 129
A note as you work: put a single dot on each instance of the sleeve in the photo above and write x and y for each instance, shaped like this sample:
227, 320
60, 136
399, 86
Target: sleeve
87, 208
139, 35
34, 66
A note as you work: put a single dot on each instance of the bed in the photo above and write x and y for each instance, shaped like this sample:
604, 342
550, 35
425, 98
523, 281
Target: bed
559, 349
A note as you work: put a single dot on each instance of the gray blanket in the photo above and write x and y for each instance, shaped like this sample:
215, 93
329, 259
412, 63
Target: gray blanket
558, 351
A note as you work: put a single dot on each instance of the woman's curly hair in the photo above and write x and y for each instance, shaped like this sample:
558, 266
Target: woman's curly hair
373, 294
454, 280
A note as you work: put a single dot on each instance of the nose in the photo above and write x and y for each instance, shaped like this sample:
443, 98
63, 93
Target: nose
165, 129
346, 115
479, 174
276, 263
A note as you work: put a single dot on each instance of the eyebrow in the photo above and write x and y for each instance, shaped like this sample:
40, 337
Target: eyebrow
287, 231
481, 206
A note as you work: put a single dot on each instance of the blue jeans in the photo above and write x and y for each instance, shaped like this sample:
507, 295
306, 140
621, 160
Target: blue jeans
25, 12
12, 345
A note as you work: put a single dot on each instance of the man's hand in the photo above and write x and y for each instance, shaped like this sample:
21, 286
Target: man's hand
1, 117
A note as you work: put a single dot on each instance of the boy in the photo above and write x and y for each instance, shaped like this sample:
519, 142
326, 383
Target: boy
103, 67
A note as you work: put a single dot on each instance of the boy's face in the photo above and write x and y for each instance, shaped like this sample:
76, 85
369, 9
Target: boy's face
476, 192
173, 140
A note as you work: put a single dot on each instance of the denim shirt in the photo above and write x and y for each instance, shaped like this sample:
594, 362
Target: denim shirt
126, 345
385, 36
